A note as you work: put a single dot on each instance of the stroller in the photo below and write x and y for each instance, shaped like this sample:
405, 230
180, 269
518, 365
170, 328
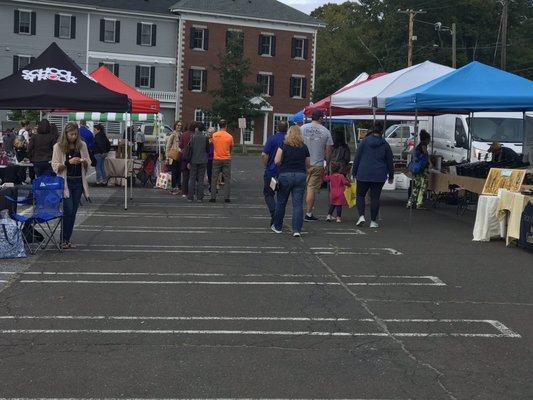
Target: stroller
145, 174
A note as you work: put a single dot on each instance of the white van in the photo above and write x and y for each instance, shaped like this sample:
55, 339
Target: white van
451, 134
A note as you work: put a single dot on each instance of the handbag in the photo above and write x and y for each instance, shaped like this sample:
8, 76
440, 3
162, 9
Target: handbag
350, 193
174, 154
164, 181
11, 242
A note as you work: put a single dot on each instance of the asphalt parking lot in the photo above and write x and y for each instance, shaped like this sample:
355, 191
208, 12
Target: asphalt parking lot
171, 299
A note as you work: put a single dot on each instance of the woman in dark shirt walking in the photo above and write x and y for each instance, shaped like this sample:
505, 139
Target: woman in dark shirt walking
293, 161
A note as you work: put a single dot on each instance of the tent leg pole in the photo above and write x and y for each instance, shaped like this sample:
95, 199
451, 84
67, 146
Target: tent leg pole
384, 123
523, 135
330, 114
432, 134
126, 164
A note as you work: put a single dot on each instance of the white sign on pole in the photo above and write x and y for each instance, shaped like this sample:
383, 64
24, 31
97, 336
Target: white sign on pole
242, 123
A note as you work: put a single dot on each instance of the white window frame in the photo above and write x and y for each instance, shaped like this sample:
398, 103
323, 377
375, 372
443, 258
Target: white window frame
201, 69
269, 75
149, 67
29, 12
198, 112
69, 26
22, 56
302, 39
114, 21
151, 31
203, 29
270, 36
109, 65
301, 77
248, 131
282, 117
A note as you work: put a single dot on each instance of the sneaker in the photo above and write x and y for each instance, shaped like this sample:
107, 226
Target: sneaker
361, 220
200, 200
212, 200
329, 218
227, 201
310, 218
184, 196
339, 220
275, 230
190, 200
409, 205
374, 224
421, 207
297, 234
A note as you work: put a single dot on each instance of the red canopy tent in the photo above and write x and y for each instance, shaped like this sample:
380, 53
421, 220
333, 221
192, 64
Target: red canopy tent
325, 104
140, 103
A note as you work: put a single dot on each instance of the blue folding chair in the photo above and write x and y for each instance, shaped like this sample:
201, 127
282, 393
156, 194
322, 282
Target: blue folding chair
47, 213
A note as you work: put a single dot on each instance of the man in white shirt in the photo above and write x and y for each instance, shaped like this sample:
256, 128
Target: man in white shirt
25, 130
319, 142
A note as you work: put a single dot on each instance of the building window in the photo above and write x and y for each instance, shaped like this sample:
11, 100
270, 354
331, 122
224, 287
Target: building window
199, 115
278, 118
113, 67
146, 34
197, 80
235, 38
109, 31
299, 48
25, 22
248, 134
199, 38
20, 62
298, 87
145, 76
267, 45
65, 26
266, 82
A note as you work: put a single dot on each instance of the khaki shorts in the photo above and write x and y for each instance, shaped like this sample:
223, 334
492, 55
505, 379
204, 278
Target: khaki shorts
314, 178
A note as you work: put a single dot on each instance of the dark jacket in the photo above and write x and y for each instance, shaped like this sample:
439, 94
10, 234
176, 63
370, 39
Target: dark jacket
198, 148
373, 160
41, 146
102, 144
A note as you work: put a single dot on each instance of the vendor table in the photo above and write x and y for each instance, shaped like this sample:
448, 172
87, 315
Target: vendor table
512, 204
114, 168
439, 183
488, 224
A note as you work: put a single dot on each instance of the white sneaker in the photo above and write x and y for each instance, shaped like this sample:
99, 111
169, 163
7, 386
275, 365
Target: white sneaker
297, 234
329, 218
374, 224
275, 230
361, 220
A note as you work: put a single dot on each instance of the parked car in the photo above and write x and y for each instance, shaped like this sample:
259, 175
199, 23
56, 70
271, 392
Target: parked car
150, 140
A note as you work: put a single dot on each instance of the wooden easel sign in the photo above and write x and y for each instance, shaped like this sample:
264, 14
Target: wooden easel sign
500, 178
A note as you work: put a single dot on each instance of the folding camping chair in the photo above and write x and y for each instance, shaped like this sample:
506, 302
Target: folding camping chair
46, 213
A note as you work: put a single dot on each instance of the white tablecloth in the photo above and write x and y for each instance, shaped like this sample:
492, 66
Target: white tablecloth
488, 224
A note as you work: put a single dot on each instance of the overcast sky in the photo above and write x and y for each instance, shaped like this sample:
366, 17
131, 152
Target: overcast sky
308, 5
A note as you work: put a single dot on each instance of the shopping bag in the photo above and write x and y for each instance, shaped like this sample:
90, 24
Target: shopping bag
350, 193
164, 181
11, 242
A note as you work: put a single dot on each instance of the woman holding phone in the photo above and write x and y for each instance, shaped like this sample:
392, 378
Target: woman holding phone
70, 160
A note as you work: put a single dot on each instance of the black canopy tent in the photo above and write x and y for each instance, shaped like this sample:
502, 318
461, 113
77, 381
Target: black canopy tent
53, 81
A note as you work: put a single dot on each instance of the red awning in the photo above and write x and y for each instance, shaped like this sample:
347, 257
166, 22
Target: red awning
324, 104
140, 103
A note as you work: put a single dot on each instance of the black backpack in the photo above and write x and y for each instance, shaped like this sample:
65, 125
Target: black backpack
526, 228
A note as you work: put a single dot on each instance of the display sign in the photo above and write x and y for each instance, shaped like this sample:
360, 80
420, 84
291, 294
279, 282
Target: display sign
510, 179
242, 123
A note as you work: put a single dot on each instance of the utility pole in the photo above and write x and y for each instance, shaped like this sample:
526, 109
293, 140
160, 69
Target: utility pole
454, 45
411, 38
505, 13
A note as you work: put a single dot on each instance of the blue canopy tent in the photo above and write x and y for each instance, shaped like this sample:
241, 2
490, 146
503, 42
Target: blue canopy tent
299, 118
473, 88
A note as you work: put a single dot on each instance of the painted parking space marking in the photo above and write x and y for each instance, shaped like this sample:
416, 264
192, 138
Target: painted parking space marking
363, 327
166, 398
222, 279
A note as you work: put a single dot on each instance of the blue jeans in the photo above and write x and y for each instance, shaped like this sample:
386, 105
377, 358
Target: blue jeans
100, 167
270, 195
291, 183
70, 207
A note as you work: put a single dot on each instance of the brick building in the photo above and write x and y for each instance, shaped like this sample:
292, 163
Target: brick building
279, 41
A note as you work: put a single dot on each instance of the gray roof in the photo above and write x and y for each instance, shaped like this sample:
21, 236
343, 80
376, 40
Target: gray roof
256, 9
142, 6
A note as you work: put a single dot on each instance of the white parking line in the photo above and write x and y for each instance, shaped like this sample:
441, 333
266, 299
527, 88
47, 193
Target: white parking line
226, 283
144, 398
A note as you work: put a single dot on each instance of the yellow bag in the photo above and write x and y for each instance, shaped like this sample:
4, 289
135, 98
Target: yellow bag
351, 194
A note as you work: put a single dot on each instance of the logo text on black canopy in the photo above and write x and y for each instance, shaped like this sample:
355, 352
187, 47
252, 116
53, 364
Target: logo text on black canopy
49, 74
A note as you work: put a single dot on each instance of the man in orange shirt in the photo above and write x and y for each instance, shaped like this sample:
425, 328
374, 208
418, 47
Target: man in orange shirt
222, 145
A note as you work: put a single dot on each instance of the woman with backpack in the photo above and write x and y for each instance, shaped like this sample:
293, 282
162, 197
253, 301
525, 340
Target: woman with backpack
102, 147
419, 168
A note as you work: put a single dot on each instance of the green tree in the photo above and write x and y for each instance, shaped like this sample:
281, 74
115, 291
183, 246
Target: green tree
231, 100
24, 115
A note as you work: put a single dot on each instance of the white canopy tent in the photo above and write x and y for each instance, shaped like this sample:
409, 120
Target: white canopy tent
372, 94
